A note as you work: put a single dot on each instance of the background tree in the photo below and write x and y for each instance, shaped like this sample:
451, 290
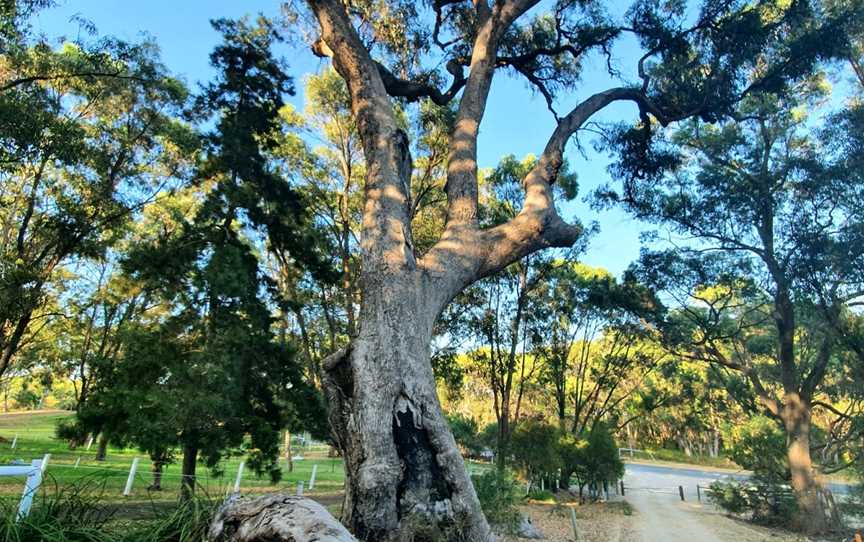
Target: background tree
762, 201
100, 138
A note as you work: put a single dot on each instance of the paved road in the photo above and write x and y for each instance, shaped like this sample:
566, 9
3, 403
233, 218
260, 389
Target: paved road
689, 477
661, 516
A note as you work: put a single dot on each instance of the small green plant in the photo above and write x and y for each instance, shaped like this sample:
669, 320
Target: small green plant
499, 498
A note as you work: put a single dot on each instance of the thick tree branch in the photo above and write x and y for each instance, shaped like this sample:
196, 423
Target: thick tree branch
387, 214
413, 90
462, 159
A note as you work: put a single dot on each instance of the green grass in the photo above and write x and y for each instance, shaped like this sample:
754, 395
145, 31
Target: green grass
36, 437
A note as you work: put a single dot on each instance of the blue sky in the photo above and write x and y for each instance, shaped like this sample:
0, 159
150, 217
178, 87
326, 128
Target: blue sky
516, 121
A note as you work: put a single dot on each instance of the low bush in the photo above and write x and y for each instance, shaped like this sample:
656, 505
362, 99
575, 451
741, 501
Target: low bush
499, 497
763, 501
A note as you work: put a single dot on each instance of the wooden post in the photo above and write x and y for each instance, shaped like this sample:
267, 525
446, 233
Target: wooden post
239, 477
622, 488
312, 477
681, 492
128, 489
573, 524
698, 493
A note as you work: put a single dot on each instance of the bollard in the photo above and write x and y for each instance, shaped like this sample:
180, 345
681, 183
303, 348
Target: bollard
312, 477
622, 488
239, 477
128, 489
573, 524
681, 492
300, 488
698, 493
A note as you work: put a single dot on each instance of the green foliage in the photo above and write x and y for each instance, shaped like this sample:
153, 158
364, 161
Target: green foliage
499, 497
534, 448
206, 370
465, 432
763, 501
27, 398
593, 459
759, 445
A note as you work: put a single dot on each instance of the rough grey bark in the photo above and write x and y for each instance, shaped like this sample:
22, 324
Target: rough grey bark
276, 517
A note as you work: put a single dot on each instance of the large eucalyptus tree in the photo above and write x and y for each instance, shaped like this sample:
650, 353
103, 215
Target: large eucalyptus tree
404, 469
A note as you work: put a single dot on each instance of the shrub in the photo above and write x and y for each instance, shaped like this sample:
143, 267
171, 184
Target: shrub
765, 501
465, 433
592, 459
499, 497
535, 451
760, 446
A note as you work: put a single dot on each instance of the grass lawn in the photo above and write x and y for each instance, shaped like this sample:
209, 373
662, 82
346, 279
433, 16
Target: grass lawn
36, 437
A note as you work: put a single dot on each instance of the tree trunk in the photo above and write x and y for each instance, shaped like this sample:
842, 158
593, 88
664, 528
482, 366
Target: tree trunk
288, 453
102, 448
157, 476
190, 461
404, 471
503, 436
796, 419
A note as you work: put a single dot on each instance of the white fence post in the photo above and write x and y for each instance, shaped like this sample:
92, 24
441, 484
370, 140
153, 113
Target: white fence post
239, 477
77, 461
14, 441
312, 478
89, 442
31, 486
128, 489
300, 488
